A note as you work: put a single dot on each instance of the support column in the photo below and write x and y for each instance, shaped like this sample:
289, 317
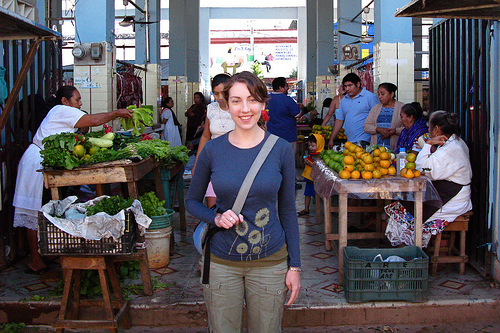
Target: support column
302, 51
205, 48
312, 59
324, 28
147, 51
94, 78
346, 11
393, 54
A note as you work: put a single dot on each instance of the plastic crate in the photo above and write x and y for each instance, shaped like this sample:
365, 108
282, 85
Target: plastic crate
369, 280
53, 240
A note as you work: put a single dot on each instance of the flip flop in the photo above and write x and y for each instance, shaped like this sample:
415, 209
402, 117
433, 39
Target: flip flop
303, 212
38, 272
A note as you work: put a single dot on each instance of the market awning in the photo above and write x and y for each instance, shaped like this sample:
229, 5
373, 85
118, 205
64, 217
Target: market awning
16, 27
467, 9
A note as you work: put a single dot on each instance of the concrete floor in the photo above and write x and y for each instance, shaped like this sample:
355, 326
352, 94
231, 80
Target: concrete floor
467, 303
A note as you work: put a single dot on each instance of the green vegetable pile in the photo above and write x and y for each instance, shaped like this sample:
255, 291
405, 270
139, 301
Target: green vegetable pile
111, 205
141, 117
161, 150
58, 150
151, 205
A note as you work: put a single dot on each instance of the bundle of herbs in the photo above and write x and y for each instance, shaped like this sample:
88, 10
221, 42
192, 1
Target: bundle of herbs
151, 205
161, 150
111, 205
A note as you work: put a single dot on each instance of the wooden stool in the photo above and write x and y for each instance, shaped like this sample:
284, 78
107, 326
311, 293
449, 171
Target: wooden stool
69, 312
454, 255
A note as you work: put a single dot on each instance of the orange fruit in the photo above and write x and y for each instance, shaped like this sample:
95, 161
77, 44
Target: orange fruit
409, 174
383, 171
376, 174
385, 156
385, 163
403, 172
417, 173
362, 164
382, 149
367, 175
410, 165
347, 144
355, 174
346, 152
368, 158
349, 167
344, 174
358, 148
391, 170
376, 152
369, 167
349, 160
376, 159
352, 148
359, 154
411, 157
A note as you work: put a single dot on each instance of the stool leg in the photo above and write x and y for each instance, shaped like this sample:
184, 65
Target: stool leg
117, 290
437, 248
75, 304
68, 282
146, 274
106, 296
462, 252
452, 243
318, 209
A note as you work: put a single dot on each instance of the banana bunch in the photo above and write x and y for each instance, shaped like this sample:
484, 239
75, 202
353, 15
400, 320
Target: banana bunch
141, 117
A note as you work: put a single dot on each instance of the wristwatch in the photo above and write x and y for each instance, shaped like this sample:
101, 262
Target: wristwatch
295, 269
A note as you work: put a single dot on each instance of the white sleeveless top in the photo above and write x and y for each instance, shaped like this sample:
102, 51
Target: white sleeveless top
220, 120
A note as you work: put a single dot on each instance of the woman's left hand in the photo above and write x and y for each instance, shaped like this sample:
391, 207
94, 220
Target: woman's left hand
292, 281
437, 140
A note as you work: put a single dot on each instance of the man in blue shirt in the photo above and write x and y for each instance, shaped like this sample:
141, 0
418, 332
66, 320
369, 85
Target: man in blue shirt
353, 110
282, 112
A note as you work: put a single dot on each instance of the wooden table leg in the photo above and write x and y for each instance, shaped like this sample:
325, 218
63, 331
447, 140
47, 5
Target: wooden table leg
318, 208
418, 218
342, 233
328, 222
54, 192
133, 192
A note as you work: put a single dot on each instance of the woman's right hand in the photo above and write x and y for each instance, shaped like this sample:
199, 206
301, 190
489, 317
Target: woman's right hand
123, 113
228, 219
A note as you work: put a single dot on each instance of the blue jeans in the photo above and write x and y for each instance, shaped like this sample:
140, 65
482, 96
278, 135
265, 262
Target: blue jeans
263, 289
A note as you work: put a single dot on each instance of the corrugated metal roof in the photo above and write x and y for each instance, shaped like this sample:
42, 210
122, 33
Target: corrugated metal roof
467, 9
15, 26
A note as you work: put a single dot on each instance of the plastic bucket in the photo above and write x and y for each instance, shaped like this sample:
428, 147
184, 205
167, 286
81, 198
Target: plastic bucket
158, 247
161, 221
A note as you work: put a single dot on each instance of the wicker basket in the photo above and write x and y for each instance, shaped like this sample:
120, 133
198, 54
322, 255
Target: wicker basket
53, 240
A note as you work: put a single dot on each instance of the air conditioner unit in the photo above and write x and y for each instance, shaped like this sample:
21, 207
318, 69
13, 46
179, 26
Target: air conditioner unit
351, 52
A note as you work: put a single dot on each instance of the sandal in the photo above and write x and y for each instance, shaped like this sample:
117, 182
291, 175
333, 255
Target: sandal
303, 212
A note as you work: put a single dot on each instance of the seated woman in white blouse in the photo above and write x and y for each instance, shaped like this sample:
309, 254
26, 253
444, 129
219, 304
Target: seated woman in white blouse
445, 160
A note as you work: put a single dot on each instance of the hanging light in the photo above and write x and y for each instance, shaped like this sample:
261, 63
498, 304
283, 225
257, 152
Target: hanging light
127, 21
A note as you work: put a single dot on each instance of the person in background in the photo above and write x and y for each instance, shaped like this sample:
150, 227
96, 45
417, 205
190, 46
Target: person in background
255, 256
414, 127
383, 121
353, 110
312, 117
195, 115
445, 159
171, 131
282, 114
315, 143
65, 116
217, 122
329, 118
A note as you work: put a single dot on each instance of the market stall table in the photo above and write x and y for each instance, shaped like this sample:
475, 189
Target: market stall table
106, 173
327, 183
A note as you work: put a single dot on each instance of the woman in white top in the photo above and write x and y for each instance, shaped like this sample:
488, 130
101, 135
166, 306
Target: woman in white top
445, 160
334, 106
171, 130
65, 116
217, 123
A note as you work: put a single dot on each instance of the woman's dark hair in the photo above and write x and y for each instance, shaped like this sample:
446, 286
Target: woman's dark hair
390, 87
413, 109
165, 101
64, 91
201, 96
220, 78
448, 122
327, 102
256, 87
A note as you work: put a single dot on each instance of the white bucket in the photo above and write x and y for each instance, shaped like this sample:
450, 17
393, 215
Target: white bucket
158, 247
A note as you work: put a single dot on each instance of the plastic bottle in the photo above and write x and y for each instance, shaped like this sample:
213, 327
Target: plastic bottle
400, 159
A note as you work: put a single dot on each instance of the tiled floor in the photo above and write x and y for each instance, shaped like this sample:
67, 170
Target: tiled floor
179, 282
